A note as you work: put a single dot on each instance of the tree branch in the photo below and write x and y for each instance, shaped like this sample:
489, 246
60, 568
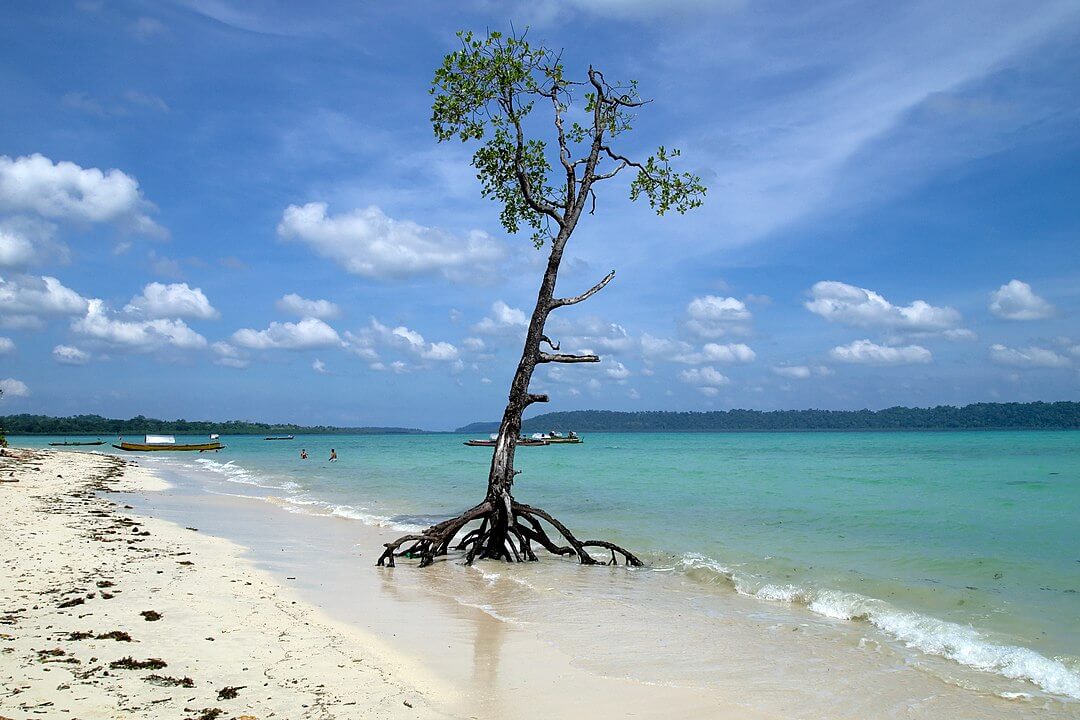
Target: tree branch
539, 205
535, 398
598, 83
553, 345
544, 357
564, 150
609, 175
561, 302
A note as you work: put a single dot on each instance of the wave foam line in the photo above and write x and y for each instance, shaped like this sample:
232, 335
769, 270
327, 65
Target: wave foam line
959, 643
310, 506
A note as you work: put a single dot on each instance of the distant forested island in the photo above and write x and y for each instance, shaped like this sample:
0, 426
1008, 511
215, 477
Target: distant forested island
980, 416
138, 425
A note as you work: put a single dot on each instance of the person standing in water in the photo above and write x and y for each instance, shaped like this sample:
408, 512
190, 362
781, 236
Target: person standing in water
333, 455
303, 454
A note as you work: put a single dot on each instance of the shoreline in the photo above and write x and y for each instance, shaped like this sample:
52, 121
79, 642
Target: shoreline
88, 587
290, 658
752, 661
448, 630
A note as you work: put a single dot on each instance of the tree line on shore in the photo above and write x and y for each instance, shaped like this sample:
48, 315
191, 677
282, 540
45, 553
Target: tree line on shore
138, 425
979, 416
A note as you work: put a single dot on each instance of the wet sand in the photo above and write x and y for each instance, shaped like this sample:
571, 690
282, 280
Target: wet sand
81, 568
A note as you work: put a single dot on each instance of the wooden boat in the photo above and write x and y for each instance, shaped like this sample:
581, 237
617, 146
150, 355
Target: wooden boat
148, 447
69, 444
522, 442
554, 438
166, 442
282, 437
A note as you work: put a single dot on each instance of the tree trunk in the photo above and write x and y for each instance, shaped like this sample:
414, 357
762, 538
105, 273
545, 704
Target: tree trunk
501, 475
508, 528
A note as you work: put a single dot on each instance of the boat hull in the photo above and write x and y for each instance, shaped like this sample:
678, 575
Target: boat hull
143, 447
72, 444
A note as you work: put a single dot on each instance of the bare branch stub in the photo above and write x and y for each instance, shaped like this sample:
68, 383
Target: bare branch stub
552, 345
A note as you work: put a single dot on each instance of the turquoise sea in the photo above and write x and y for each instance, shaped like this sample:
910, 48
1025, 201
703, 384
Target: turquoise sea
961, 549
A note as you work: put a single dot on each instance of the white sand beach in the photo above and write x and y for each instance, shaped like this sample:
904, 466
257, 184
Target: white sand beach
81, 579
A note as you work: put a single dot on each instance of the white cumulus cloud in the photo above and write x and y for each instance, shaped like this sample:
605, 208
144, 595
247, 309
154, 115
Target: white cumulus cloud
656, 348
712, 316
616, 370
137, 335
441, 351
731, 353
319, 366
503, 318
15, 249
14, 388
66, 191
175, 300
707, 379
369, 243
70, 355
293, 304
1015, 300
795, 372
859, 307
229, 356
401, 338
1030, 356
868, 353
308, 333
26, 299
7, 345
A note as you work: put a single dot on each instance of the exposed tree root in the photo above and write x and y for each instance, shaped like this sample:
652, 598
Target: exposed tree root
500, 536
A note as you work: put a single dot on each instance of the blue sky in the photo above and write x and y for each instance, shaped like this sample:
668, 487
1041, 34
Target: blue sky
216, 209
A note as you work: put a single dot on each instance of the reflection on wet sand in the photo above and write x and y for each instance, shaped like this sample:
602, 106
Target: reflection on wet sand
552, 639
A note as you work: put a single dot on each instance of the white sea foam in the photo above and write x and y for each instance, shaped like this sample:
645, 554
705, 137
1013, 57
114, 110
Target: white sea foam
488, 575
930, 635
780, 593
361, 514
489, 611
308, 505
234, 473
294, 501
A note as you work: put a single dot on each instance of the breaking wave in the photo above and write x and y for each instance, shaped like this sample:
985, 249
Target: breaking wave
962, 644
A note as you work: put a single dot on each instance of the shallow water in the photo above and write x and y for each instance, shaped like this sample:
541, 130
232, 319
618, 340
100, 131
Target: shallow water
954, 553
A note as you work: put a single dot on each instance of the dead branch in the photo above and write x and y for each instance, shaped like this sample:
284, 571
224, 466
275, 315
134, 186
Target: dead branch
544, 357
562, 302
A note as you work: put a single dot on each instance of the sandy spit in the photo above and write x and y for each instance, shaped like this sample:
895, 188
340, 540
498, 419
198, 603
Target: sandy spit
110, 615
